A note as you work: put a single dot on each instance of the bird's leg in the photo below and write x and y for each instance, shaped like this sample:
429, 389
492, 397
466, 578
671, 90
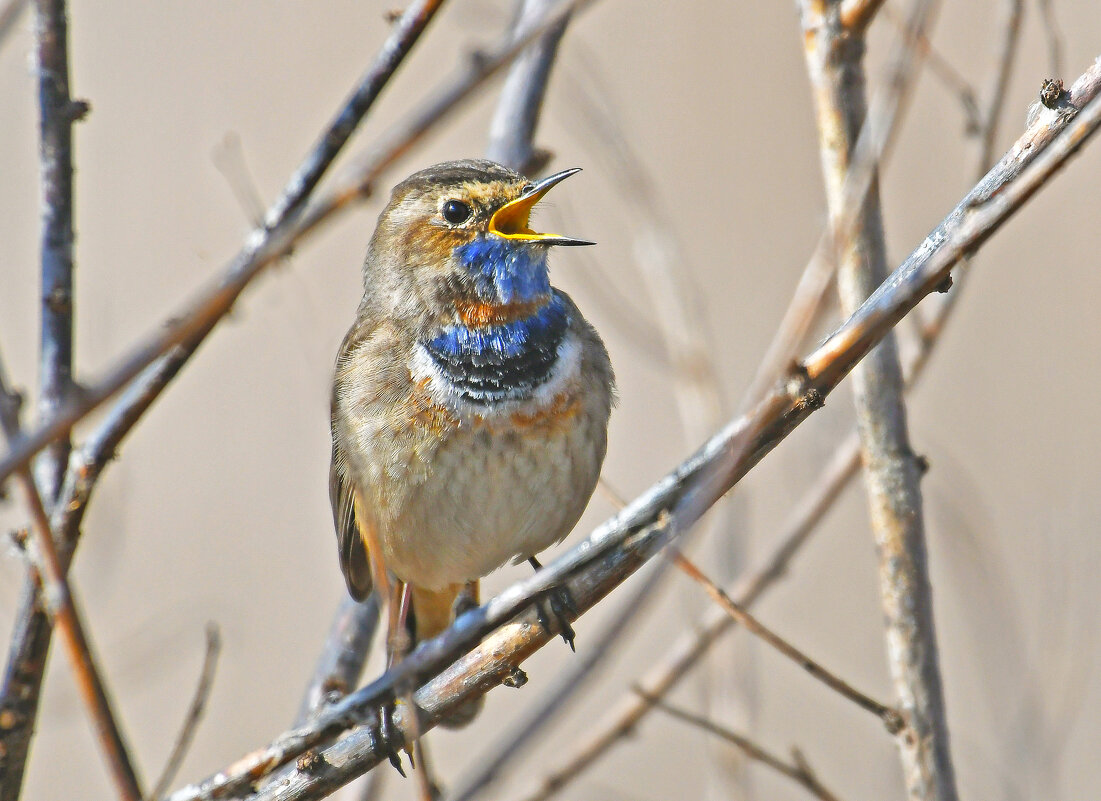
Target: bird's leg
397, 645
562, 607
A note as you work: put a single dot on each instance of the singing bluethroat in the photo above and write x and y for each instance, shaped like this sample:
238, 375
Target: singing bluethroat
471, 399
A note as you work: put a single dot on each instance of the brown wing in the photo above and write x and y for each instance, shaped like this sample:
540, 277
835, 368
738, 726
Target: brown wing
353, 553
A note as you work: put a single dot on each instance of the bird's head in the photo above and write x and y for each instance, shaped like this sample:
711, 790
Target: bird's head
454, 246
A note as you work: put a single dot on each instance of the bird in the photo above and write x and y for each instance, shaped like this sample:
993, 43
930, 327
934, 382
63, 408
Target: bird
470, 400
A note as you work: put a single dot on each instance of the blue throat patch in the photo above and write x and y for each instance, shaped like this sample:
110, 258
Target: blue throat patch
501, 362
504, 271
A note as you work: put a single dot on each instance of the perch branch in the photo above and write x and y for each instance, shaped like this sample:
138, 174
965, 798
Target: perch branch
890, 717
57, 596
617, 548
798, 772
842, 468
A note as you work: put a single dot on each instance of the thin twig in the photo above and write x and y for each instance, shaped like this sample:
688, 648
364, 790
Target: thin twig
624, 543
194, 714
1054, 37
942, 68
892, 472
798, 772
58, 598
857, 15
890, 717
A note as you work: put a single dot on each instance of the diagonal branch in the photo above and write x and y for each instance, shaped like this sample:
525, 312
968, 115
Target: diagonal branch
480, 650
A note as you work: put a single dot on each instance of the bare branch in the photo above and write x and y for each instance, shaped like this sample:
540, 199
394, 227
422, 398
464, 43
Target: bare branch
58, 598
892, 472
617, 548
890, 717
195, 711
857, 15
798, 772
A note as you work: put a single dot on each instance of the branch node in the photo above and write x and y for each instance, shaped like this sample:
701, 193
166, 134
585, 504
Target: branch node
894, 721
811, 400
515, 677
311, 762
1051, 92
76, 110
944, 286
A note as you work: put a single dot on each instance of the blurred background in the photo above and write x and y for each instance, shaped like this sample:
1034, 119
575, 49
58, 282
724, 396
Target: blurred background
218, 508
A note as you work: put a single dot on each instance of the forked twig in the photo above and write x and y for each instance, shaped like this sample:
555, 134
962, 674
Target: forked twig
799, 772
890, 717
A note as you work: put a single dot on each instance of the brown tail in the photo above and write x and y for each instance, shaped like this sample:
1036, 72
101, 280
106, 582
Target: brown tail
433, 612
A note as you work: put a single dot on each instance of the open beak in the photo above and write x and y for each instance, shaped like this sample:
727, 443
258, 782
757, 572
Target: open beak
511, 220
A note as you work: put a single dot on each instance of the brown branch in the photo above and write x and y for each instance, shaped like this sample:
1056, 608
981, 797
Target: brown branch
195, 712
58, 598
799, 772
480, 650
890, 717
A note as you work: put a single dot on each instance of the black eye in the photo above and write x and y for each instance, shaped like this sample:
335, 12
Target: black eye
455, 212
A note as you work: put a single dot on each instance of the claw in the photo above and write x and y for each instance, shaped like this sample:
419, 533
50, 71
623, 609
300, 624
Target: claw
562, 607
389, 738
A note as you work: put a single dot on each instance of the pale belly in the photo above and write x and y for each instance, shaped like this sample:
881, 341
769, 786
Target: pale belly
489, 495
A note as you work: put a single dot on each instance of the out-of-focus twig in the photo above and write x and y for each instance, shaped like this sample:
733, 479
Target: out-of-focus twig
485, 645
890, 717
892, 472
9, 16
1054, 36
57, 597
194, 714
512, 130
799, 772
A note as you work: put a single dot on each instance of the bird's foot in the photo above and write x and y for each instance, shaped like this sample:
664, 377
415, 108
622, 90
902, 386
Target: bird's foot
559, 604
391, 740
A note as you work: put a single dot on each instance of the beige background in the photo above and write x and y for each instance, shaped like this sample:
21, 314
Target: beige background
218, 508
